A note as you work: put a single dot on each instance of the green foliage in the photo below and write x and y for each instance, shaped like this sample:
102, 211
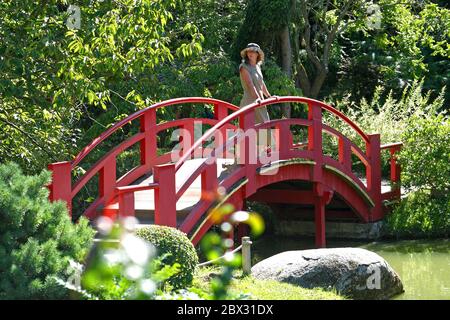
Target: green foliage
125, 265
263, 19
214, 247
384, 114
120, 266
218, 21
214, 76
410, 43
425, 157
37, 237
420, 215
278, 82
55, 80
175, 247
217, 248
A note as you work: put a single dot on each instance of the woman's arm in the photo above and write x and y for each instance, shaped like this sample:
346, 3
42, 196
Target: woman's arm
265, 91
245, 76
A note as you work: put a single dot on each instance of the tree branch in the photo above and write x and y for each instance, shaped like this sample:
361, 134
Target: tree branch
302, 76
332, 34
307, 37
27, 135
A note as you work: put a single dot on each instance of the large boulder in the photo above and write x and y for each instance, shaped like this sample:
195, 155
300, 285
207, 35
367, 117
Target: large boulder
355, 273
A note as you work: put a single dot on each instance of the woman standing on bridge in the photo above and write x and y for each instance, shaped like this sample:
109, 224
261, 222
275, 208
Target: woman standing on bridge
252, 80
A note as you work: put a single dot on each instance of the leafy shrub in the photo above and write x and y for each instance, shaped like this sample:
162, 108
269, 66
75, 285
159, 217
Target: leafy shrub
387, 116
420, 215
122, 266
37, 238
425, 157
174, 247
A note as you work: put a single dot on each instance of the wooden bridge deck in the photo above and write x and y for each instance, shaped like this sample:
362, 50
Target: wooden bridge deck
144, 200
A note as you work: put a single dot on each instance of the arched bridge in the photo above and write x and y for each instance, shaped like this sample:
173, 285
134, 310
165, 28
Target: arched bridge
174, 188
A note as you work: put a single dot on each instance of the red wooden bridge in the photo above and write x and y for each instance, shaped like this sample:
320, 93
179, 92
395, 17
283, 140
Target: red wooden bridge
175, 192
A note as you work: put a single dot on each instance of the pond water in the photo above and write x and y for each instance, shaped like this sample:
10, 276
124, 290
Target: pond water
423, 265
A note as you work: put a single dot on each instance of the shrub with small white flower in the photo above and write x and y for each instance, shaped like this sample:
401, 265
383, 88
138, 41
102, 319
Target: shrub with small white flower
122, 266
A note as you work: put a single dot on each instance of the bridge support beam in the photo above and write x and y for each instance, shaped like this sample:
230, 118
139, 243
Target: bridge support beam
322, 196
319, 219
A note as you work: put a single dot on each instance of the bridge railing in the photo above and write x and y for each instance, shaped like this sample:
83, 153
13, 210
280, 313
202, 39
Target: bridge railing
395, 192
370, 157
61, 187
164, 171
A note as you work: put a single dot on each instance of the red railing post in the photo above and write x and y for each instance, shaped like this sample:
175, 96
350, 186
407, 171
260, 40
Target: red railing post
315, 139
209, 182
165, 195
126, 204
187, 137
345, 153
107, 178
248, 150
209, 185
283, 139
148, 146
220, 112
373, 172
395, 171
61, 184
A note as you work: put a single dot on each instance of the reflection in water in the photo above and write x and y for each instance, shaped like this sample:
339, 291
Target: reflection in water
423, 265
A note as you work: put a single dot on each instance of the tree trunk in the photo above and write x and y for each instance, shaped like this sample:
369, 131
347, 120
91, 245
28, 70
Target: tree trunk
318, 82
303, 82
286, 63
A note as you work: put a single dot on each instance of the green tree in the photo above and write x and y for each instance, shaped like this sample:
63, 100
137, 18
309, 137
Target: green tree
411, 42
304, 33
341, 47
38, 239
52, 77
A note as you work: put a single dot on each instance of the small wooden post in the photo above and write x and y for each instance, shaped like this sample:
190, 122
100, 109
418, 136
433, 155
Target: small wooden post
246, 255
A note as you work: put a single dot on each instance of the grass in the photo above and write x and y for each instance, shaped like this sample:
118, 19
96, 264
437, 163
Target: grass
263, 289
